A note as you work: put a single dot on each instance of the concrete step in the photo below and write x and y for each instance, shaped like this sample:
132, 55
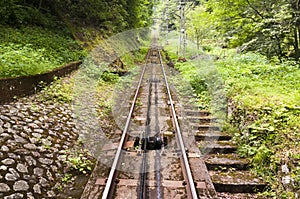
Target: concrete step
236, 182
226, 162
211, 135
214, 147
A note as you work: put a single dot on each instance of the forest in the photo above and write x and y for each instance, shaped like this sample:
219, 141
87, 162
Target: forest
271, 28
39, 35
110, 15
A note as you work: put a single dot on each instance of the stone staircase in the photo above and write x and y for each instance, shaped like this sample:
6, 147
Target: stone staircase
229, 173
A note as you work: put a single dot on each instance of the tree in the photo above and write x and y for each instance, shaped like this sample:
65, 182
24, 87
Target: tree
271, 27
112, 15
199, 25
295, 6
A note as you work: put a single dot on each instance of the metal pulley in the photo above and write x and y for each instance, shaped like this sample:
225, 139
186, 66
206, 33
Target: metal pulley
152, 143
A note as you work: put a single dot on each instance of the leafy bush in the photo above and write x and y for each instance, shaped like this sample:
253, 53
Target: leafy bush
18, 13
199, 84
110, 77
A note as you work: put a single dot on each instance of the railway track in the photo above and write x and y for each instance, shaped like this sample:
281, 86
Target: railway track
156, 158
151, 141
150, 160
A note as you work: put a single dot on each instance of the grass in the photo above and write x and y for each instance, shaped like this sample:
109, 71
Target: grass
33, 50
202, 78
253, 80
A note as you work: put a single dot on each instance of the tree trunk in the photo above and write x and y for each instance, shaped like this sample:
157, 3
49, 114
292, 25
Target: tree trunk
197, 39
280, 53
198, 43
297, 31
40, 4
296, 40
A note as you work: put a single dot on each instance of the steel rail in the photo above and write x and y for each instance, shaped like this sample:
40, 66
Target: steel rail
109, 184
193, 192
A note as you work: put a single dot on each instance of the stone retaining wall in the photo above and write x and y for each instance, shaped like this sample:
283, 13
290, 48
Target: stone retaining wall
22, 86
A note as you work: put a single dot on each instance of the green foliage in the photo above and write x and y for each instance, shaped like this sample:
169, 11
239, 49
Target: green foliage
264, 101
17, 13
112, 16
57, 91
270, 28
17, 60
67, 178
138, 12
80, 161
199, 84
256, 81
200, 25
205, 85
267, 136
34, 50
87, 20
110, 77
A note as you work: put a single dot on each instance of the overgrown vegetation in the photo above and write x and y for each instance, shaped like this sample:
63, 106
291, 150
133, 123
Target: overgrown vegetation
254, 47
79, 161
113, 16
59, 91
202, 80
33, 50
265, 111
39, 35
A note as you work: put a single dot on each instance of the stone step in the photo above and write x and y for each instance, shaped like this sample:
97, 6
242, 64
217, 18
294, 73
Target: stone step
190, 112
236, 182
222, 195
211, 135
213, 147
205, 127
225, 162
202, 119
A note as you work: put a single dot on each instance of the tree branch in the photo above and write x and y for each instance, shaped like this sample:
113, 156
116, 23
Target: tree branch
255, 10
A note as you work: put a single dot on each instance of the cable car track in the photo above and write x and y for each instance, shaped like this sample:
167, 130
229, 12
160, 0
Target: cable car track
151, 139
157, 156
